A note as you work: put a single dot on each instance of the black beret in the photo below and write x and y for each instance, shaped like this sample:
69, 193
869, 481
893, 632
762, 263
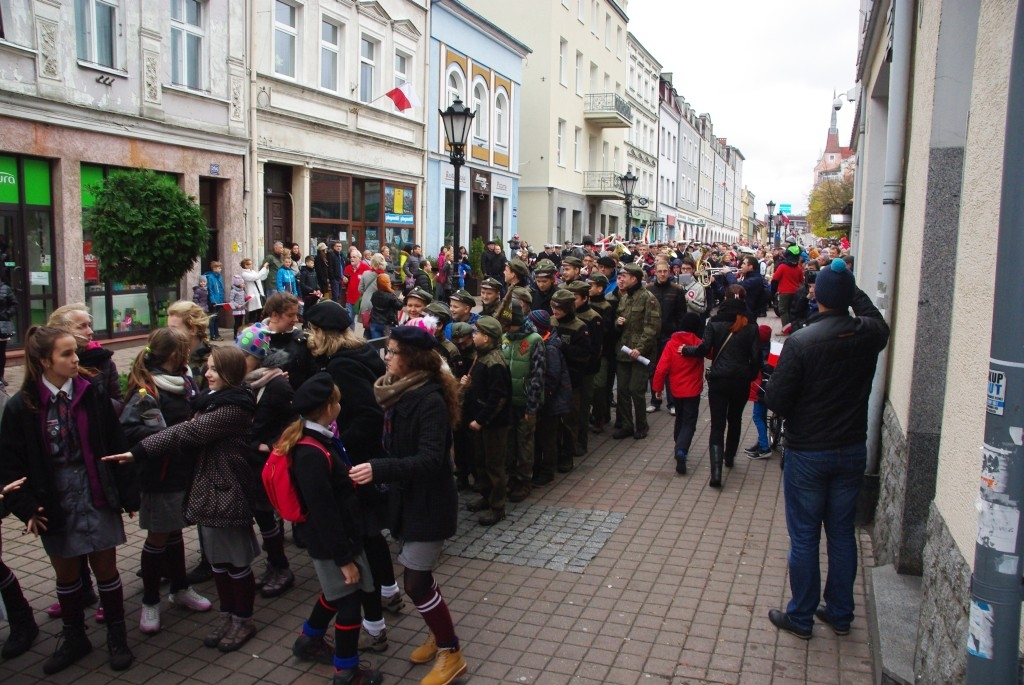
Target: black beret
606, 262
313, 394
414, 336
329, 315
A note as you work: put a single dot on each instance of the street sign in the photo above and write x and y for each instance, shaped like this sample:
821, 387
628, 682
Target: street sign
786, 209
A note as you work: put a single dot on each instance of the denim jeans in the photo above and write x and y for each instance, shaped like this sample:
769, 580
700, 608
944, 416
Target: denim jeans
821, 488
760, 416
378, 330
352, 314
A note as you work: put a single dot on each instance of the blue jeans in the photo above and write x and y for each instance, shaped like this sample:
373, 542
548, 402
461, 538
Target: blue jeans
760, 416
378, 330
821, 488
352, 314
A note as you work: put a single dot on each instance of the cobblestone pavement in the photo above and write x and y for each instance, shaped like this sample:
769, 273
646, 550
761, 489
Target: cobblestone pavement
618, 572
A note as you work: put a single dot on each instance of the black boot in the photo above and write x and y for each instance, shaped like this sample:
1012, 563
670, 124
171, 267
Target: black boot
729, 460
716, 466
201, 573
23, 630
72, 645
121, 656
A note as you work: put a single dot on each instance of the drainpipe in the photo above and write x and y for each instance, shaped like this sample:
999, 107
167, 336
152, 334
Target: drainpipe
892, 208
252, 190
994, 627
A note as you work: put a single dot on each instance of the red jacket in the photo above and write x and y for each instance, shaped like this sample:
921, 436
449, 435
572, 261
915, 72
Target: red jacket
685, 374
352, 293
789, 277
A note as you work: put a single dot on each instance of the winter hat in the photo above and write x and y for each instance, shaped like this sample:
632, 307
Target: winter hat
793, 250
835, 286
541, 320
689, 323
313, 394
518, 317
329, 315
520, 269
321, 246
606, 262
414, 336
236, 280
254, 340
490, 327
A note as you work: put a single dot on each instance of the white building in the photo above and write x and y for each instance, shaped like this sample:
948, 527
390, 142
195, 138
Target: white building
642, 140
670, 148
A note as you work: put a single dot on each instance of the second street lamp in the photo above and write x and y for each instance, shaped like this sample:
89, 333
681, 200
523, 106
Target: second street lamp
771, 211
628, 183
458, 122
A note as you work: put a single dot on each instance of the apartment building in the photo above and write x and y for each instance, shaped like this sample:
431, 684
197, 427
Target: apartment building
670, 148
91, 86
576, 111
643, 138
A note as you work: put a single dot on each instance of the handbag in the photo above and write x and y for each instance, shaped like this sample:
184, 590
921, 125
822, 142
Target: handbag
707, 374
6, 329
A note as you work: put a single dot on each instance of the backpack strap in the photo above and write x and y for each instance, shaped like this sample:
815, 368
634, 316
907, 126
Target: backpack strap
306, 440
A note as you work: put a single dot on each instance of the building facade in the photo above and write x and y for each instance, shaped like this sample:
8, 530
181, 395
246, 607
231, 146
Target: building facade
643, 143
669, 150
94, 86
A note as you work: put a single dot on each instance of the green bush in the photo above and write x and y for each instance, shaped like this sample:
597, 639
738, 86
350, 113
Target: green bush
476, 255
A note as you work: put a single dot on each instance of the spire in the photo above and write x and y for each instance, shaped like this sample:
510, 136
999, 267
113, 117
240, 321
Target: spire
834, 128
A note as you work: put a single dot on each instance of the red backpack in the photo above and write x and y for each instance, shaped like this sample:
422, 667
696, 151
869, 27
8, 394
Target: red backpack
277, 480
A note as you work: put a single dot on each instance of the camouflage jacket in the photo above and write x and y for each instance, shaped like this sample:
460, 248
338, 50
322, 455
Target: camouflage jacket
642, 312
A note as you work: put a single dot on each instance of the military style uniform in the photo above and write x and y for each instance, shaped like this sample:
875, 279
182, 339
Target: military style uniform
640, 331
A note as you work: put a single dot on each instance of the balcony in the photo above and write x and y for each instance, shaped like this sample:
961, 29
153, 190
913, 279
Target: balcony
607, 110
602, 185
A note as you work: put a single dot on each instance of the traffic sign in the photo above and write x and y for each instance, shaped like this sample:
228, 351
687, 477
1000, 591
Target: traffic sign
785, 209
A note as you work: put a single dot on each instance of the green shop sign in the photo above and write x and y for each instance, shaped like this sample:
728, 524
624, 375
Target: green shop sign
36, 178
8, 180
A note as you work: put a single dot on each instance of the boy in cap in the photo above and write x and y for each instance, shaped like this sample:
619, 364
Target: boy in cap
462, 338
490, 295
415, 302
577, 351
557, 400
449, 352
571, 267
487, 413
543, 286
595, 327
461, 304
601, 399
523, 350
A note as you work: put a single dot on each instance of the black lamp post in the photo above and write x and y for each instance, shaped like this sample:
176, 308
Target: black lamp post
628, 183
771, 212
458, 121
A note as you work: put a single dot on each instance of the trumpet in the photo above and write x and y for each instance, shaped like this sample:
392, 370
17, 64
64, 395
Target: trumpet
705, 273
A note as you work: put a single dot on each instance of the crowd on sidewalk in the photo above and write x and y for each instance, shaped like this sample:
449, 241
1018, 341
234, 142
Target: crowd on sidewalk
302, 421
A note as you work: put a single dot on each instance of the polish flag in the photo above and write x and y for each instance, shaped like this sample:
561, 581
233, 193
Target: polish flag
775, 351
404, 97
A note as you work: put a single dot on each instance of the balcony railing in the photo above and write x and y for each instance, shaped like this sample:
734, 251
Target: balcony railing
608, 110
602, 184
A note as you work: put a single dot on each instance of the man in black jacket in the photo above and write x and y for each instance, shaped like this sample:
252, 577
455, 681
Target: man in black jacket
673, 305
826, 454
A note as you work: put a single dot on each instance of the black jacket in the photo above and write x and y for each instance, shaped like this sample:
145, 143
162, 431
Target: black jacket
384, 309
738, 360
822, 381
671, 298
299, 362
417, 467
361, 420
576, 336
323, 277
172, 472
333, 528
489, 398
308, 281
273, 414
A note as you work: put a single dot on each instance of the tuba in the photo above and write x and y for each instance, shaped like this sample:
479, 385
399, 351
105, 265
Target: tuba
704, 273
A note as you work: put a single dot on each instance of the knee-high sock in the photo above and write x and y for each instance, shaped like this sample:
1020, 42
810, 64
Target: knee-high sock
174, 562
225, 588
72, 607
346, 632
11, 592
152, 568
112, 598
319, 618
273, 545
435, 612
244, 585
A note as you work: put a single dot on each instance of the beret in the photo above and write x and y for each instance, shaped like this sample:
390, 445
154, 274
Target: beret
313, 394
329, 315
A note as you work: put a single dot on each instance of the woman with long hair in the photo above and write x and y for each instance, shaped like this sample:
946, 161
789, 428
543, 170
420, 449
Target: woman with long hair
421, 404
54, 432
219, 497
735, 351
161, 392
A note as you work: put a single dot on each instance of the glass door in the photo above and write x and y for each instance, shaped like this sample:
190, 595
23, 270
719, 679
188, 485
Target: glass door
13, 272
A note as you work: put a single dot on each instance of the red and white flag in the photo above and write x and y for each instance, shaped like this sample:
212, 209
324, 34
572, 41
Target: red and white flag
404, 97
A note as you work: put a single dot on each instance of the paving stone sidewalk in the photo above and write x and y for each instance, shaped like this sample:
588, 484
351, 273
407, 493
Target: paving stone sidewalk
619, 572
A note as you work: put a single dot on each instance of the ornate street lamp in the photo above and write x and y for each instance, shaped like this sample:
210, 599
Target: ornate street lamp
458, 121
771, 212
628, 183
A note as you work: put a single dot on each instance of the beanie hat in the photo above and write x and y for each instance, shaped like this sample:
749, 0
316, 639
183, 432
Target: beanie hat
793, 250
541, 320
690, 322
606, 262
329, 315
835, 285
313, 394
236, 280
518, 317
254, 340
520, 269
490, 327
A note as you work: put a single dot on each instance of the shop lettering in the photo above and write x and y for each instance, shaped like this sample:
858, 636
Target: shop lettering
7, 179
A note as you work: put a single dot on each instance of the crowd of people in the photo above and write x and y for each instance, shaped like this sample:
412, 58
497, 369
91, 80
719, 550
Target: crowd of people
566, 344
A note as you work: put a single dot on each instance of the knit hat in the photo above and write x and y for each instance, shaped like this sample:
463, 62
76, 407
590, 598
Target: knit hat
633, 270
544, 267
254, 340
321, 246
793, 249
607, 262
541, 320
790, 240
520, 269
490, 327
491, 284
690, 322
461, 328
565, 300
464, 297
329, 315
518, 316
835, 286
522, 294
441, 311
420, 294
237, 281
414, 336
764, 333
600, 279
313, 394
579, 288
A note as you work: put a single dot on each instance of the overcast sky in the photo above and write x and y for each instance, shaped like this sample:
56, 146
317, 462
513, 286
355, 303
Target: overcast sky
765, 71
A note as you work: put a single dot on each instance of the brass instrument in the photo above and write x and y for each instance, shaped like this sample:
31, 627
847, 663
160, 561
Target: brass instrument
704, 273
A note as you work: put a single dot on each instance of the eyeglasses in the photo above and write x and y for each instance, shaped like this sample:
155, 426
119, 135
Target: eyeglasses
392, 352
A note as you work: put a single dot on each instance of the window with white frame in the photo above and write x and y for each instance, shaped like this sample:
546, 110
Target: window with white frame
577, 149
96, 31
581, 9
595, 17
455, 84
187, 43
618, 42
403, 62
368, 53
560, 143
563, 61
330, 55
480, 105
286, 36
608, 31
579, 73
501, 118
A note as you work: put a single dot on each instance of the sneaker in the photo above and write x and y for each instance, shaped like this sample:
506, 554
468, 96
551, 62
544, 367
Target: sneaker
149, 619
448, 666
651, 408
268, 575
672, 411
101, 616
313, 649
373, 643
361, 675
753, 449
241, 631
90, 599
282, 581
394, 603
426, 652
190, 599
759, 454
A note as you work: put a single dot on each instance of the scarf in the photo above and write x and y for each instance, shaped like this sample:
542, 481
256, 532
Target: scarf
388, 389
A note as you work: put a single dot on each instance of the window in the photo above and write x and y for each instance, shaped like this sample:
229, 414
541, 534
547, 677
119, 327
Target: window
608, 31
187, 43
456, 84
577, 149
501, 114
560, 143
581, 9
480, 106
618, 42
367, 68
330, 55
595, 17
286, 35
579, 73
563, 61
402, 62
96, 25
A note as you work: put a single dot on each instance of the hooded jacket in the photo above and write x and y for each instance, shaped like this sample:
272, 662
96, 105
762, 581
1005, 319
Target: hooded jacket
361, 420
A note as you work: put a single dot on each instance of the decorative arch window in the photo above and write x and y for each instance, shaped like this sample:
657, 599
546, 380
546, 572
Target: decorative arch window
455, 84
502, 116
481, 105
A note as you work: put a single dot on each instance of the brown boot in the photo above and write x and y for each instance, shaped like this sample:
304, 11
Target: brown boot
240, 632
448, 666
218, 630
426, 652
